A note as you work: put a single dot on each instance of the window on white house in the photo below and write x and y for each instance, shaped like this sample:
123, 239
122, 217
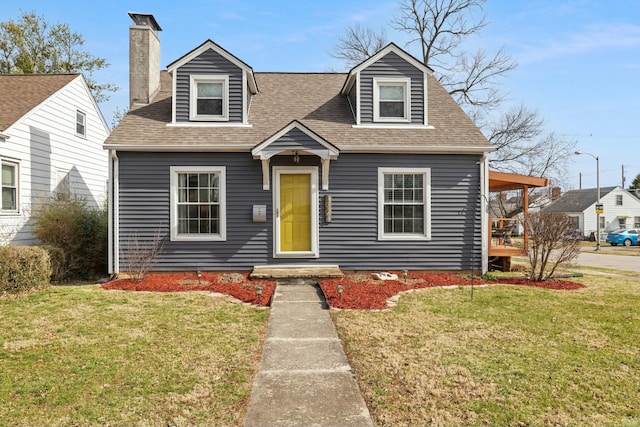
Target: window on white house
636, 222
9, 187
81, 124
602, 222
198, 203
209, 98
404, 203
391, 100
622, 222
618, 199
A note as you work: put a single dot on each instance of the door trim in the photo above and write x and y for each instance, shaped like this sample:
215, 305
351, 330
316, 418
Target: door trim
283, 170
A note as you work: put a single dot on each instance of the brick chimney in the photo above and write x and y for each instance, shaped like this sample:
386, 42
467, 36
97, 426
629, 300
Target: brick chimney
555, 193
144, 59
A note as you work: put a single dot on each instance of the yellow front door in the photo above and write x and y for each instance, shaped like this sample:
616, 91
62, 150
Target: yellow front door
295, 212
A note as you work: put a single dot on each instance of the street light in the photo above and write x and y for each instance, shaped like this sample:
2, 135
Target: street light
598, 201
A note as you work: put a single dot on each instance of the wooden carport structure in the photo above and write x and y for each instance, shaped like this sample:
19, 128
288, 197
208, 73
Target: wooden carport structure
500, 182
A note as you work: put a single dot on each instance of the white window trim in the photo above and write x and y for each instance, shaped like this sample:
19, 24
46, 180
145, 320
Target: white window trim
84, 124
315, 232
175, 236
399, 81
194, 79
17, 180
426, 172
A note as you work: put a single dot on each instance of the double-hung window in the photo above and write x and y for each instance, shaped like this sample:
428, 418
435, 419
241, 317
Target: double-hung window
391, 99
198, 203
81, 124
10, 192
404, 203
209, 98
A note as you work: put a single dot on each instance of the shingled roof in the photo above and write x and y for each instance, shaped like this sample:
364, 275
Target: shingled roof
21, 93
314, 100
577, 200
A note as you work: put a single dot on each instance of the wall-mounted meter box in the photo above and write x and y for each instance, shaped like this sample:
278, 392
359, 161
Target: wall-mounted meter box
259, 213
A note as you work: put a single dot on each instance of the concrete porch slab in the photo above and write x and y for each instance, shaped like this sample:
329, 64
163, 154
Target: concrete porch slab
295, 272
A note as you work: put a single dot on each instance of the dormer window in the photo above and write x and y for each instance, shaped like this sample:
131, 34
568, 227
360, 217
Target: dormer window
391, 101
209, 98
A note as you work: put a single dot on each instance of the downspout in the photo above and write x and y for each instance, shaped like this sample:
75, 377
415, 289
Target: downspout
484, 220
113, 246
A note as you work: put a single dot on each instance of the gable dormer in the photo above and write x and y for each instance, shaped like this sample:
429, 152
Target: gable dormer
211, 87
388, 90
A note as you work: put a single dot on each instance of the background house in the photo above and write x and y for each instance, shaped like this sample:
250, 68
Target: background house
621, 209
51, 135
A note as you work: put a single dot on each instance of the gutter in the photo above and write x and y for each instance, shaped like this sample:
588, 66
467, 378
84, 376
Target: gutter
113, 261
4, 136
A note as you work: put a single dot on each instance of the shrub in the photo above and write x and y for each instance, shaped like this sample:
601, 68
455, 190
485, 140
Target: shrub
77, 231
23, 268
551, 244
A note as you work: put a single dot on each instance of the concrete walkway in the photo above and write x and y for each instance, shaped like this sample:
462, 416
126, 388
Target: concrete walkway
304, 377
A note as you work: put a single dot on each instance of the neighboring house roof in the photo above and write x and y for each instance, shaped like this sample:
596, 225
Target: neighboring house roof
312, 99
21, 93
577, 200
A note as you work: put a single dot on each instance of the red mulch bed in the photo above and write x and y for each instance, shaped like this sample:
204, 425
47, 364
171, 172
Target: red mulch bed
237, 285
373, 294
360, 291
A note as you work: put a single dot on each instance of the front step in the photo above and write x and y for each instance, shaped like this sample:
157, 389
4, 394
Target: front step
275, 272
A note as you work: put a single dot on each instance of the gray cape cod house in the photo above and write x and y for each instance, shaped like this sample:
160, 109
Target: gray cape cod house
375, 169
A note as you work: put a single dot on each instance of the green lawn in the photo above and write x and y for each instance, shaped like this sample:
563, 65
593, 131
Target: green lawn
512, 356
84, 356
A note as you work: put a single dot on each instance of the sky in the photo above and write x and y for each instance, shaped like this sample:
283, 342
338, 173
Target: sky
578, 60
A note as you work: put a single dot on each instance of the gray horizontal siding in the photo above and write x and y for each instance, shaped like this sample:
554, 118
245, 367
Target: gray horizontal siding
350, 240
295, 139
209, 63
391, 65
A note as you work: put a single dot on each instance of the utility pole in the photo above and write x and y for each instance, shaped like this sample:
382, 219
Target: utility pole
623, 179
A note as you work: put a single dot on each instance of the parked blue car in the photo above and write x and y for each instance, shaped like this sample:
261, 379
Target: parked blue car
624, 236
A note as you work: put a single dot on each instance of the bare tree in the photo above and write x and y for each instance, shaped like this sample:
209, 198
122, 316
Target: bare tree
143, 254
550, 244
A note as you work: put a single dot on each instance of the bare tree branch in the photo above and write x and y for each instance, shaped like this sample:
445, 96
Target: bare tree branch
358, 44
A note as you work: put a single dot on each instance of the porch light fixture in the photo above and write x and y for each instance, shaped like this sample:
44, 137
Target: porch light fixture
199, 275
405, 274
258, 292
340, 290
296, 157
598, 201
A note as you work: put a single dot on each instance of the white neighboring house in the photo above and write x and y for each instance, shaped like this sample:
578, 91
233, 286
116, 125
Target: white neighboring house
621, 209
51, 136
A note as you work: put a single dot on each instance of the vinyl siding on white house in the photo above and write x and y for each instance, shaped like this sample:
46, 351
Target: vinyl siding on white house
45, 145
630, 208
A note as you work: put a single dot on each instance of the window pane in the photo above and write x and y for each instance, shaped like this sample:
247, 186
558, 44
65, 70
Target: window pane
388, 196
183, 226
213, 196
182, 180
182, 212
204, 211
388, 180
209, 90
391, 93
203, 179
193, 180
388, 226
9, 201
204, 226
214, 226
182, 195
8, 175
193, 211
193, 226
210, 106
215, 211
398, 180
391, 109
204, 195
418, 195
193, 196
213, 180
418, 181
